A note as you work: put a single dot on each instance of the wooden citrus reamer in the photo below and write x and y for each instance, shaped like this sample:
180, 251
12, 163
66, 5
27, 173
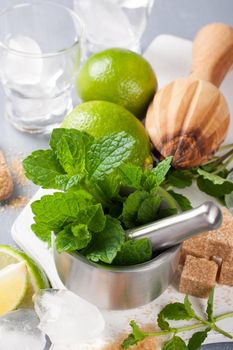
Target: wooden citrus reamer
189, 117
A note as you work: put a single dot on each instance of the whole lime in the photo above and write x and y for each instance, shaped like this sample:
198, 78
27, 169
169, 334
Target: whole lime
119, 76
100, 118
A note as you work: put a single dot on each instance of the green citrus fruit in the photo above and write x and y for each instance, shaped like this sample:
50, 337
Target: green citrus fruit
13, 286
119, 76
100, 118
36, 277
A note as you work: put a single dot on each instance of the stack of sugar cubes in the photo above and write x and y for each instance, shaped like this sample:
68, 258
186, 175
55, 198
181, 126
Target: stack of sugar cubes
207, 259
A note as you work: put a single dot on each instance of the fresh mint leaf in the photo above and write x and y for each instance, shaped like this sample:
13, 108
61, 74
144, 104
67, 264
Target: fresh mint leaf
136, 336
153, 178
148, 209
210, 306
107, 243
175, 343
214, 185
162, 323
161, 170
197, 339
66, 182
180, 178
213, 189
167, 199
129, 341
42, 232
134, 252
54, 212
130, 176
58, 133
42, 167
131, 206
71, 155
107, 154
94, 217
110, 186
217, 180
60, 208
164, 213
73, 237
70, 147
80, 231
183, 202
149, 180
175, 311
73, 217
188, 307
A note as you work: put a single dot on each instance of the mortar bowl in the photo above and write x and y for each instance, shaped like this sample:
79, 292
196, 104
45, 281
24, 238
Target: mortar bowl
117, 287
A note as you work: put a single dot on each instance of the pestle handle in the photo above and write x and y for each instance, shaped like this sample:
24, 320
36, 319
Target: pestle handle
212, 55
168, 232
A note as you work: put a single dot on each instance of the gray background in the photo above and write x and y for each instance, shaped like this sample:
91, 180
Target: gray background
177, 17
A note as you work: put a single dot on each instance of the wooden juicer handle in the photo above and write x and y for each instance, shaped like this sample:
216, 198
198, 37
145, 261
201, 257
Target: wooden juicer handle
213, 53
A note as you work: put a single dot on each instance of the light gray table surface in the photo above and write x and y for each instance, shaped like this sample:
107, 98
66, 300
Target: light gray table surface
178, 17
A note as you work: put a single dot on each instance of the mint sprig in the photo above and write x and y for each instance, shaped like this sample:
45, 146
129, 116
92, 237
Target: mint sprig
212, 178
100, 189
76, 153
181, 311
102, 196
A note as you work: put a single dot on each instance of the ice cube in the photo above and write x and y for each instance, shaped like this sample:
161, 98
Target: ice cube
66, 318
20, 328
19, 68
106, 23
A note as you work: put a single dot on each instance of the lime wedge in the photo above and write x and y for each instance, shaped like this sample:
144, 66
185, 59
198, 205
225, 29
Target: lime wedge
36, 277
13, 286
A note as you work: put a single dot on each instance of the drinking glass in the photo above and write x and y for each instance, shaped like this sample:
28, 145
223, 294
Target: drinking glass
40, 50
113, 23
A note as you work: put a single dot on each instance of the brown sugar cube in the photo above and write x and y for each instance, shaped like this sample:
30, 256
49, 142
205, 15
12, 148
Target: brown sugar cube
220, 242
226, 273
194, 246
198, 276
217, 260
6, 182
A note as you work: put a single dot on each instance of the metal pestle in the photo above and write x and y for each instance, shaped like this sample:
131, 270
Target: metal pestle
177, 228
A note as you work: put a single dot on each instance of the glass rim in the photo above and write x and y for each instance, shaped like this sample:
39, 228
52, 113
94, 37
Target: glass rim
46, 54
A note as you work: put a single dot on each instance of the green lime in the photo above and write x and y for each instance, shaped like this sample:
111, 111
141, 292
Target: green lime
100, 118
13, 286
119, 76
37, 278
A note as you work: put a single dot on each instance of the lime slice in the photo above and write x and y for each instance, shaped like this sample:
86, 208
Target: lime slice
36, 277
13, 286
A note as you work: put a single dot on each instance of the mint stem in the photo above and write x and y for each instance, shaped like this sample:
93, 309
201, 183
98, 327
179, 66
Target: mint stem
229, 160
176, 330
225, 147
202, 324
223, 316
225, 156
221, 331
